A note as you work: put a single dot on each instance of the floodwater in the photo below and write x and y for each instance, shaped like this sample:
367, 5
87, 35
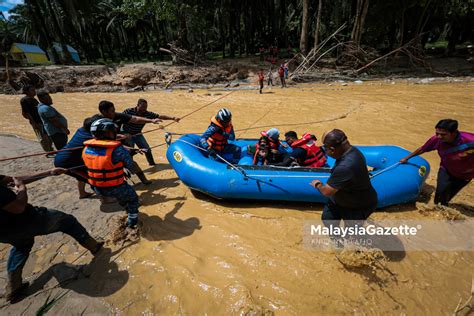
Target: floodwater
201, 256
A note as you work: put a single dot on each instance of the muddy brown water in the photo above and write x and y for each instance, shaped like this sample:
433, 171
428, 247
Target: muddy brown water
198, 255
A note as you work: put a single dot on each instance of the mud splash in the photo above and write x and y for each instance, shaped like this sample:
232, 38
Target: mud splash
198, 255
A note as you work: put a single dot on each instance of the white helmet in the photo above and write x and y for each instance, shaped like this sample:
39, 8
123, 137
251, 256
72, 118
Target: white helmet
224, 115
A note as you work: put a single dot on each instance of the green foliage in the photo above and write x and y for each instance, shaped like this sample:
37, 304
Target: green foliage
133, 30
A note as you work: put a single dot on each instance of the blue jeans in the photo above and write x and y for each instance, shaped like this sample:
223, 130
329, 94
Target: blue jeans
231, 153
126, 196
37, 222
141, 143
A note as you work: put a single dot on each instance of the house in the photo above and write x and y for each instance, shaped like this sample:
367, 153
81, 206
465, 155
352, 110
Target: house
72, 51
27, 54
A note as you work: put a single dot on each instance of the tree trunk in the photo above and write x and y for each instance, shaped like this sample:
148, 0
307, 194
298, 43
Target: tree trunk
57, 29
34, 9
304, 28
361, 14
318, 24
7, 69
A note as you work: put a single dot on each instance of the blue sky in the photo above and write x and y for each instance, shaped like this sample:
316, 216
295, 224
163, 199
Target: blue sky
6, 5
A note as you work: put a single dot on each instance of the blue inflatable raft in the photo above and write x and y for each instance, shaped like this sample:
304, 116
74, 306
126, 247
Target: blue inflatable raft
395, 183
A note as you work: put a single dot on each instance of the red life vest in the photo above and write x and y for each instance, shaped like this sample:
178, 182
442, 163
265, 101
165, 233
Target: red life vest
101, 171
315, 157
217, 141
281, 71
273, 145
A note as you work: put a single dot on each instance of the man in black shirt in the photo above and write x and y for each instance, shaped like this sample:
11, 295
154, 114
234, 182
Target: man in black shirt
351, 195
135, 129
29, 110
107, 110
20, 222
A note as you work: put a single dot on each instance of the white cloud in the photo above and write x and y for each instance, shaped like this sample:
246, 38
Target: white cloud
6, 14
11, 3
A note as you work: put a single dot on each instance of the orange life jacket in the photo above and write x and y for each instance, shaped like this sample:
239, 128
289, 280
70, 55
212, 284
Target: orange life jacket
272, 145
315, 157
101, 171
217, 141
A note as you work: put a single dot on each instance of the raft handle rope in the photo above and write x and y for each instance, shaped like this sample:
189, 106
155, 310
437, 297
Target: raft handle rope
238, 169
385, 170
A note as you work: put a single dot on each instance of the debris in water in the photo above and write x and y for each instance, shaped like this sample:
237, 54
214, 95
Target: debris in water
439, 211
123, 233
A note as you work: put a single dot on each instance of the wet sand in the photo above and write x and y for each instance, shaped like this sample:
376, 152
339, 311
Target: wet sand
198, 255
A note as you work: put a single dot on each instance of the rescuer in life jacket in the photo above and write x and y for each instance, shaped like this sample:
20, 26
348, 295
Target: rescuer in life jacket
105, 159
215, 138
305, 151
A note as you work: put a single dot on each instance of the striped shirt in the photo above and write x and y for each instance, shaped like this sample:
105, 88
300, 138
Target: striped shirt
135, 128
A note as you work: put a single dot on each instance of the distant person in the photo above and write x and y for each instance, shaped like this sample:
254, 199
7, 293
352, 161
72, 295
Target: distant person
21, 222
305, 151
456, 150
281, 74
29, 110
215, 138
72, 159
105, 159
270, 77
351, 194
287, 70
135, 129
55, 124
261, 78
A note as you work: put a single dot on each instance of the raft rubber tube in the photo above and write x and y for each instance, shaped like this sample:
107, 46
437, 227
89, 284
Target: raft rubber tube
395, 183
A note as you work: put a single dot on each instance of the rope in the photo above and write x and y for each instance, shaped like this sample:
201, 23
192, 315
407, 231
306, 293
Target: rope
385, 170
240, 170
149, 131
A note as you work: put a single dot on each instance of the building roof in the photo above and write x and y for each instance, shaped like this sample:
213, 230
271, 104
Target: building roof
27, 48
58, 48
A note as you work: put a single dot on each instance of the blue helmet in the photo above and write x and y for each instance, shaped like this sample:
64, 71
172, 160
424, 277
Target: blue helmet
224, 115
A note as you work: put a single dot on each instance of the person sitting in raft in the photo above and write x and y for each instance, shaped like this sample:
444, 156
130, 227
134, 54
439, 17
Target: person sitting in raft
105, 157
275, 149
215, 138
262, 153
456, 150
305, 151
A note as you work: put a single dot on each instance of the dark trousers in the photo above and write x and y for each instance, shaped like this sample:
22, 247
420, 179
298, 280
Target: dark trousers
126, 196
141, 143
43, 138
333, 214
447, 187
231, 153
261, 85
59, 140
282, 81
38, 222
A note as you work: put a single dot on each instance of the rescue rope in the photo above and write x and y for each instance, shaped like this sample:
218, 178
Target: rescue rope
149, 131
